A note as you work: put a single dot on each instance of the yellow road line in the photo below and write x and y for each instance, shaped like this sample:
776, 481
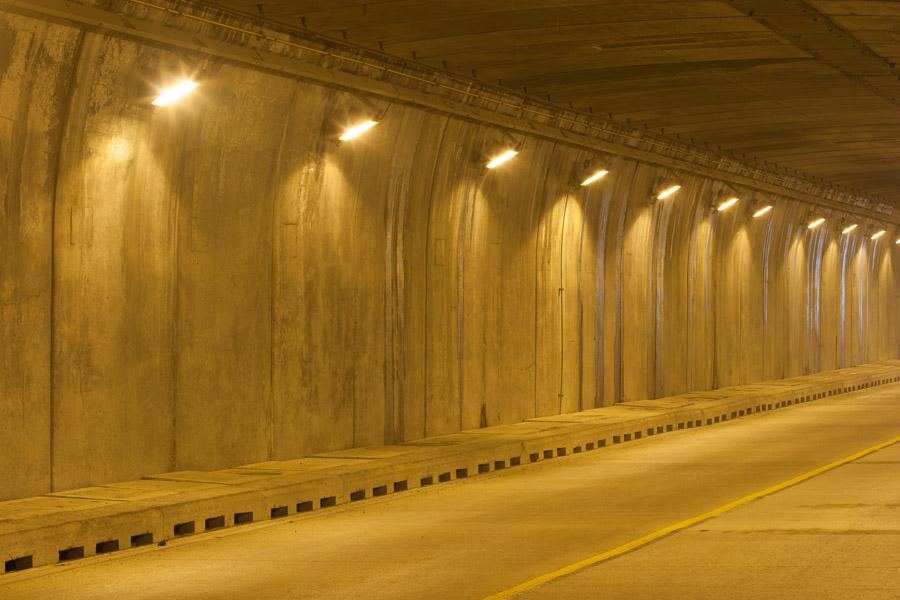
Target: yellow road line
690, 522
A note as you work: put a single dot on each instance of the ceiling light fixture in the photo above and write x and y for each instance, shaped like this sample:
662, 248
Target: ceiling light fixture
596, 176
357, 130
728, 204
816, 223
499, 160
668, 192
762, 211
173, 94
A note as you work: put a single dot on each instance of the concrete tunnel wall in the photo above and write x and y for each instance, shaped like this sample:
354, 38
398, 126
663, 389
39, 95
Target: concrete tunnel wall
220, 282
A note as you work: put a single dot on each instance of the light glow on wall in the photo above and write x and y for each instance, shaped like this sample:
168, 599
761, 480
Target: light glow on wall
816, 223
762, 211
173, 94
728, 204
668, 192
850, 228
596, 176
878, 234
499, 160
357, 130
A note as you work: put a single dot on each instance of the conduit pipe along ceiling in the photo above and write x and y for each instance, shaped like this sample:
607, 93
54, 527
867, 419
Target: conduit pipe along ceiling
174, 93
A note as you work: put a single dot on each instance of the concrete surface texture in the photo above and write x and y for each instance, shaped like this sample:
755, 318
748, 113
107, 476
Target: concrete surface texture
61, 526
220, 282
810, 85
833, 536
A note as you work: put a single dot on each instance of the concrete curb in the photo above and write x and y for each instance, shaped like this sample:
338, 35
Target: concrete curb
64, 526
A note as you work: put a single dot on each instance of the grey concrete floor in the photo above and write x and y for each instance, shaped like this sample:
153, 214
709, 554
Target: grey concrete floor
834, 536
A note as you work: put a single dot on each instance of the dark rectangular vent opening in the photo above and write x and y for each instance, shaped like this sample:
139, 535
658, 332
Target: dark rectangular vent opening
184, 528
141, 539
71, 553
107, 546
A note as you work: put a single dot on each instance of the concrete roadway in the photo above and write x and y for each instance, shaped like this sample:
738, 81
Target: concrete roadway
833, 536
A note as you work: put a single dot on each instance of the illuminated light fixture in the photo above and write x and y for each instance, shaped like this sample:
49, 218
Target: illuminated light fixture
173, 94
595, 177
816, 223
357, 130
878, 234
897, 242
728, 204
499, 160
668, 192
762, 211
850, 228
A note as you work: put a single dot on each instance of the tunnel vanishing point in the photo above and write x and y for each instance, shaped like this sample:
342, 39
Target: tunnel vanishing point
260, 259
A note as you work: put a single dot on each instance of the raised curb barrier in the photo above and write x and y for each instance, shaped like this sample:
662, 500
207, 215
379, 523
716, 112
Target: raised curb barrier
64, 526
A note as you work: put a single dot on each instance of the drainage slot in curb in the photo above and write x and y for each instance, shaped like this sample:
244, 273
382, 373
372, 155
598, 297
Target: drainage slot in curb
649, 431
462, 473
548, 453
426, 481
482, 468
381, 490
107, 546
278, 512
681, 426
327, 501
534, 457
304, 506
184, 528
601, 443
400, 486
637, 435
560, 451
589, 446
242, 518
141, 539
214, 522
71, 553
617, 439
576, 449
499, 465
443, 477
515, 461
626, 437
18, 564
357, 495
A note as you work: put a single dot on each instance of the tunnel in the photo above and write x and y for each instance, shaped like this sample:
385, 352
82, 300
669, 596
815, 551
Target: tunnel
449, 299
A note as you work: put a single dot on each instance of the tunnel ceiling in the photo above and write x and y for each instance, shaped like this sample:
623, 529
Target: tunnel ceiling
808, 86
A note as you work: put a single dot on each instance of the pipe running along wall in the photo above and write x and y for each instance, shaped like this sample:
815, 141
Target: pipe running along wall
220, 282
